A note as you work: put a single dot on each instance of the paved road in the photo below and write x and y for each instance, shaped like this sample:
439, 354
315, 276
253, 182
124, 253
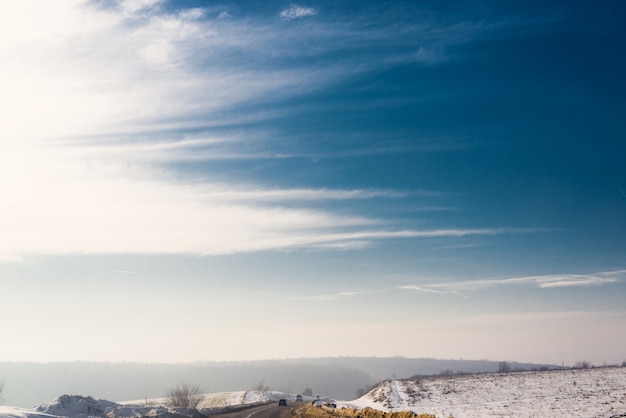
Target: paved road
264, 411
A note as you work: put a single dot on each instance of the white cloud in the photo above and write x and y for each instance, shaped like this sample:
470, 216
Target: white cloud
134, 6
294, 12
63, 200
76, 69
91, 207
544, 282
79, 69
425, 289
99, 77
569, 280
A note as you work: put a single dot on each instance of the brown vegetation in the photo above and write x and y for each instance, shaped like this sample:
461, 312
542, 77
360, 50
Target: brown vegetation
310, 411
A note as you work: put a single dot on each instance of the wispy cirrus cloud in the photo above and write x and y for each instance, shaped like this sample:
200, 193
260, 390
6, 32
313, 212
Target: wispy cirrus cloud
542, 281
138, 67
134, 6
116, 84
463, 288
295, 11
354, 233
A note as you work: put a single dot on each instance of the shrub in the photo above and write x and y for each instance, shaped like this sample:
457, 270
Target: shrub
313, 412
262, 387
184, 396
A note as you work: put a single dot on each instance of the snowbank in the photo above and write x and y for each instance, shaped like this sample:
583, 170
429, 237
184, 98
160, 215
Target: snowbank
75, 406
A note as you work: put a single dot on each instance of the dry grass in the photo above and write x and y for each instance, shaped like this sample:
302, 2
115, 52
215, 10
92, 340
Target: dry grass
310, 411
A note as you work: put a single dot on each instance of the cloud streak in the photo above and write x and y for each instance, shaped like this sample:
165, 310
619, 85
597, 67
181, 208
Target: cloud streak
463, 288
139, 68
332, 296
542, 282
296, 12
96, 100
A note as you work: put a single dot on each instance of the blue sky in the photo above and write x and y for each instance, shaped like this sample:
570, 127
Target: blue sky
423, 179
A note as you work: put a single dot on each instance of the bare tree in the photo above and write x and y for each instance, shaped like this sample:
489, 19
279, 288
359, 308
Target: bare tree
184, 396
262, 387
582, 365
1, 389
504, 367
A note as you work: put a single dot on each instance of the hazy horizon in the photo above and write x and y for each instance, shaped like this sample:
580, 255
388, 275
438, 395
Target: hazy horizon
217, 181
30, 384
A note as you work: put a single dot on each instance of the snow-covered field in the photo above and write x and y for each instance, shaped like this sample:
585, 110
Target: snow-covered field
590, 393
586, 393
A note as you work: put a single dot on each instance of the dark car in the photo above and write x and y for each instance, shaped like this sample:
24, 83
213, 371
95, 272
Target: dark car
282, 402
298, 398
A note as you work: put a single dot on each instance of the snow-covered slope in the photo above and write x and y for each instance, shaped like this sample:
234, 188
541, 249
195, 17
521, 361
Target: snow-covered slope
592, 393
75, 406
569, 393
13, 412
222, 399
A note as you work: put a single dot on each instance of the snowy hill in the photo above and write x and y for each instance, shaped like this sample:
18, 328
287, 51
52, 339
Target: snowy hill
75, 406
589, 393
586, 393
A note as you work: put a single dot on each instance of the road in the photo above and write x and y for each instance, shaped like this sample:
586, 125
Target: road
264, 411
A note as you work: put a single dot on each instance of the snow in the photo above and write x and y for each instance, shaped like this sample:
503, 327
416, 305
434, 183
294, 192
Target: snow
586, 393
223, 399
75, 406
589, 393
13, 412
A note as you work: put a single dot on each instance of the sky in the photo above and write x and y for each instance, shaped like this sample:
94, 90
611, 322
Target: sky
211, 180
